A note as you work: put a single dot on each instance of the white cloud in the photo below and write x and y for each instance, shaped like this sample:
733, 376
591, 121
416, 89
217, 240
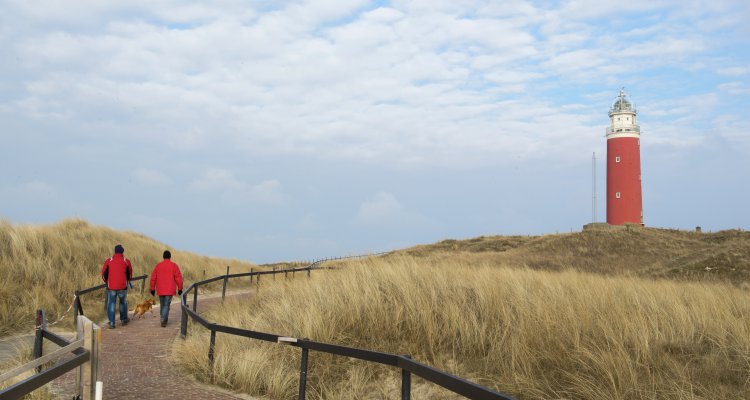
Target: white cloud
148, 177
264, 89
410, 83
384, 213
734, 71
324, 10
266, 192
36, 189
308, 223
293, 247
381, 208
383, 15
735, 88
735, 130
664, 49
215, 179
155, 226
29, 194
223, 183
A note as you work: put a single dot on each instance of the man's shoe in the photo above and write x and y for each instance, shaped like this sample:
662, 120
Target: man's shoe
125, 322
111, 326
163, 324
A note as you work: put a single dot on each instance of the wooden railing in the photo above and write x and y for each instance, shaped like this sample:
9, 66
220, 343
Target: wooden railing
85, 350
404, 363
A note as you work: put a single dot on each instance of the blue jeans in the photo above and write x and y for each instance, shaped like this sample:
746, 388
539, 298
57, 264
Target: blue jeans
112, 297
164, 302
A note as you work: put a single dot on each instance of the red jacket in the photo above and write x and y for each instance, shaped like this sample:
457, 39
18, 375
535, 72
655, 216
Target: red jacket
117, 272
165, 277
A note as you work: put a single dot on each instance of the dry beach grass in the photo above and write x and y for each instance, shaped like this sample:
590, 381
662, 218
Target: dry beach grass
23, 355
534, 334
602, 314
42, 266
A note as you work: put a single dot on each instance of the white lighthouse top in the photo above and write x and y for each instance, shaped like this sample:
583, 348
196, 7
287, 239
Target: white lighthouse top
622, 104
622, 118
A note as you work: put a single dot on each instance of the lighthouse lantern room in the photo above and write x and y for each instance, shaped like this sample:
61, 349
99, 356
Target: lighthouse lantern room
624, 202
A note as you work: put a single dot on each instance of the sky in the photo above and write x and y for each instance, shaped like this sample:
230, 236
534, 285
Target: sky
297, 130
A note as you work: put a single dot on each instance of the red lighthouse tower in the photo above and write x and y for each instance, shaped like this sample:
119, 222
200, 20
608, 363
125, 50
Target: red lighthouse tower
624, 202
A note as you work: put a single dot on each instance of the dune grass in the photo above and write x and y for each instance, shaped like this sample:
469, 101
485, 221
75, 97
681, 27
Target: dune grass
722, 256
22, 356
42, 266
533, 334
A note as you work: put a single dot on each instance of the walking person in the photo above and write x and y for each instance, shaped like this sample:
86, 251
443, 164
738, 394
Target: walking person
165, 278
117, 273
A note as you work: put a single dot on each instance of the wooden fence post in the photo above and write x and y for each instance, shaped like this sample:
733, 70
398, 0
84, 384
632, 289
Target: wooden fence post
183, 321
96, 349
405, 383
78, 309
224, 288
41, 325
303, 374
88, 373
211, 350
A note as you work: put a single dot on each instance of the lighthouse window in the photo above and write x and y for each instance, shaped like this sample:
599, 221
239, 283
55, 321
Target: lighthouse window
617, 195
617, 159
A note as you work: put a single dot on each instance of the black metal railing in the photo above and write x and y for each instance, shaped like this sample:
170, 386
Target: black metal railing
405, 363
42, 377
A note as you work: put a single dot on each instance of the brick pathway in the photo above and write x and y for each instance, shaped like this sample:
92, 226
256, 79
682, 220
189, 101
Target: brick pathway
134, 362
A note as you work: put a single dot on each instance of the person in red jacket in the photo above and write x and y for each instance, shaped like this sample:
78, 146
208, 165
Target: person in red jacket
164, 279
116, 273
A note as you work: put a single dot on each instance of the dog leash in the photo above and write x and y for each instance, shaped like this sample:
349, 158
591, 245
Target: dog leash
63, 316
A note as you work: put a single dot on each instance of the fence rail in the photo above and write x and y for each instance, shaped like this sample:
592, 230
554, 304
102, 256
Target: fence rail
85, 351
41, 360
80, 348
78, 306
405, 363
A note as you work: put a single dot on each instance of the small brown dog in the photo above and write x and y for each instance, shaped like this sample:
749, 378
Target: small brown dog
141, 309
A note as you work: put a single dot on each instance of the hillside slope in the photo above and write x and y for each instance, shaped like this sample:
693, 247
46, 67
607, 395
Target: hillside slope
42, 266
532, 334
649, 252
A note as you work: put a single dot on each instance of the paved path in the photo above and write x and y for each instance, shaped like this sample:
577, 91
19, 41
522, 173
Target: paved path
134, 362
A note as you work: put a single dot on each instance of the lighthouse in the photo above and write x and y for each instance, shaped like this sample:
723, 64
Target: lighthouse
624, 202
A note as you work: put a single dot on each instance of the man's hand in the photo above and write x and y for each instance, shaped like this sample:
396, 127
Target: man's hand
179, 292
153, 293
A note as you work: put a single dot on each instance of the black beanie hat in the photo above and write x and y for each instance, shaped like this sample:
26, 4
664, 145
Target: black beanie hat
119, 249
